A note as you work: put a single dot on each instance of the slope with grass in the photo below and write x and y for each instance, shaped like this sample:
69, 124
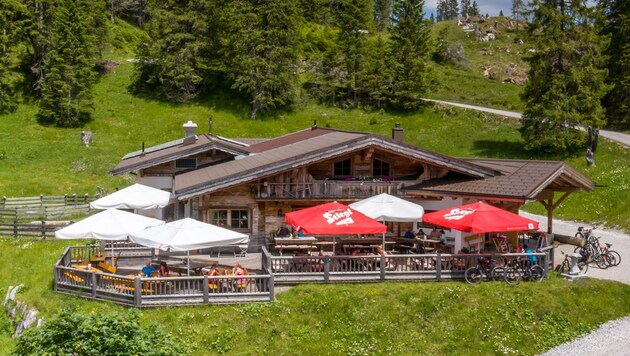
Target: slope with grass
376, 318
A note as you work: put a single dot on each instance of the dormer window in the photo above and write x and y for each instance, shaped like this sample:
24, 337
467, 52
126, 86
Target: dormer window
343, 168
380, 168
186, 163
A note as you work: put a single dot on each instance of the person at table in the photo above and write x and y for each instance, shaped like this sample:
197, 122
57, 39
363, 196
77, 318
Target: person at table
148, 270
164, 271
416, 242
435, 234
301, 233
238, 270
410, 234
283, 232
381, 252
212, 273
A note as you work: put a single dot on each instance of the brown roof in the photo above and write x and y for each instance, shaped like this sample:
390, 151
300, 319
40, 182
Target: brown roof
519, 179
169, 151
302, 148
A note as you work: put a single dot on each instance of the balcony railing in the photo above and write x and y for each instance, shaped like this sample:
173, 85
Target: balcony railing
327, 189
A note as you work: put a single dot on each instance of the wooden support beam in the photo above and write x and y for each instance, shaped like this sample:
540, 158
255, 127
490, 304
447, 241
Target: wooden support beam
550, 206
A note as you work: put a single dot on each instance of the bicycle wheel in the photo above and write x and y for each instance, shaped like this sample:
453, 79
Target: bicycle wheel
602, 261
536, 273
564, 267
583, 266
497, 273
473, 275
616, 256
512, 276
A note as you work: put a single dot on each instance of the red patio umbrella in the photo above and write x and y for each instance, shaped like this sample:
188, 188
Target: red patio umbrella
480, 218
333, 219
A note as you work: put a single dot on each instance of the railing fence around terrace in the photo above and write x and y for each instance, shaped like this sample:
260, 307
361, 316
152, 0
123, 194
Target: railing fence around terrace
165, 291
41, 216
327, 189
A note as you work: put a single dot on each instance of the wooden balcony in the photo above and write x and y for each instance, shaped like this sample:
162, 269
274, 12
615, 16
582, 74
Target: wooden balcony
327, 189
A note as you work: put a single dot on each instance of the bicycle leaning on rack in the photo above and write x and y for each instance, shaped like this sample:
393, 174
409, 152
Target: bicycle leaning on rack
485, 269
523, 269
565, 266
594, 251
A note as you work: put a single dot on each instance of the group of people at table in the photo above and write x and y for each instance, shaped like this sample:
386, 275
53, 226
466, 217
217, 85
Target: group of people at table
420, 238
163, 271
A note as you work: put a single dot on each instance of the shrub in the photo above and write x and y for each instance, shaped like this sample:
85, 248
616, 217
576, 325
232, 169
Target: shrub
78, 333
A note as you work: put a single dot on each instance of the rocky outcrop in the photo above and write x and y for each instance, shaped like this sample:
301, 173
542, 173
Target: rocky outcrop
20, 314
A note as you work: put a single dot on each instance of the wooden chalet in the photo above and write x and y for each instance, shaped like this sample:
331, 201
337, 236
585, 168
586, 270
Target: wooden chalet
249, 184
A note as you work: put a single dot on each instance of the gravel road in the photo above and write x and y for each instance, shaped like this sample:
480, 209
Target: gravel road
613, 337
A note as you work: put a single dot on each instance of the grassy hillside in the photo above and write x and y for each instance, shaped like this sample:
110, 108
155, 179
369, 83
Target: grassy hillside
464, 81
353, 319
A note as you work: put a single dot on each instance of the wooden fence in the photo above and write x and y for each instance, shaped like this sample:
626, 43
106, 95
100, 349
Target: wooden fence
41, 216
148, 292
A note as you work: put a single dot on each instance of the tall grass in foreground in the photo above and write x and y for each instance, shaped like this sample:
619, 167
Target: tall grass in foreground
379, 318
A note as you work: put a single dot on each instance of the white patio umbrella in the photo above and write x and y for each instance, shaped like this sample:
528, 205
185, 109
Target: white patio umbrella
137, 196
187, 234
111, 224
385, 207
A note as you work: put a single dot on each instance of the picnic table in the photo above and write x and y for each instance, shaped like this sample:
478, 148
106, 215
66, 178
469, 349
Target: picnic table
364, 243
195, 267
302, 244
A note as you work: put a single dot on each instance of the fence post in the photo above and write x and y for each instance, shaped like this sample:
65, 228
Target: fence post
65, 200
85, 198
15, 227
206, 289
137, 296
271, 285
43, 229
326, 269
55, 276
382, 267
93, 284
4, 202
41, 200
74, 195
438, 266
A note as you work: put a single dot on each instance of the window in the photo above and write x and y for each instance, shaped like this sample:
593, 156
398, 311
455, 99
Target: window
380, 168
342, 168
233, 219
186, 163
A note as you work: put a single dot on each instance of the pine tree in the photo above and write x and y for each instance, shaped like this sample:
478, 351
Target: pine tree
518, 12
500, 13
410, 38
354, 18
566, 76
261, 46
474, 9
432, 18
12, 18
69, 74
377, 72
181, 51
442, 10
382, 14
617, 26
465, 8
453, 9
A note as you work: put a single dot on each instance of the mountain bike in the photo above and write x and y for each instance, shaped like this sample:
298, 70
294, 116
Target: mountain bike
523, 269
483, 270
565, 266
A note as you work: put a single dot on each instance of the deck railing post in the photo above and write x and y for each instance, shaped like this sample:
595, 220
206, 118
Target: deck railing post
56, 275
271, 283
93, 284
206, 289
382, 267
438, 266
15, 227
137, 296
326, 269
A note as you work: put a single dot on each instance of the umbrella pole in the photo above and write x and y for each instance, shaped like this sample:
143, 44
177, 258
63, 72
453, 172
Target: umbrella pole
188, 261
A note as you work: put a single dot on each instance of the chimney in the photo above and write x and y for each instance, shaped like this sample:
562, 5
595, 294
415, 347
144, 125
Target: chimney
397, 133
190, 128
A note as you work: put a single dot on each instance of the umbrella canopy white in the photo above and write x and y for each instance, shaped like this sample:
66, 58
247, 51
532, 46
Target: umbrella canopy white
187, 234
385, 207
110, 224
137, 196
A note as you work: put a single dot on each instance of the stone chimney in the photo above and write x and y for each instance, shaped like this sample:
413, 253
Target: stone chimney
397, 133
189, 129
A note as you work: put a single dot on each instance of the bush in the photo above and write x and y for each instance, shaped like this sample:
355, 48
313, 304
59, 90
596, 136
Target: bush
78, 333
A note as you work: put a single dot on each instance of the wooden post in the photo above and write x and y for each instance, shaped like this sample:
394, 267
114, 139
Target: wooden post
438, 266
74, 195
271, 285
15, 227
55, 276
43, 229
326, 269
382, 267
93, 285
137, 295
41, 200
206, 289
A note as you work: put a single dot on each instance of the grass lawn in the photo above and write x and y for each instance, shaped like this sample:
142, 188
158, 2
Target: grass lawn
355, 319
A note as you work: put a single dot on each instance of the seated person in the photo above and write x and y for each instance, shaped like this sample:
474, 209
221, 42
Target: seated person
531, 259
238, 270
410, 234
164, 271
435, 233
381, 252
148, 270
213, 272
301, 233
283, 232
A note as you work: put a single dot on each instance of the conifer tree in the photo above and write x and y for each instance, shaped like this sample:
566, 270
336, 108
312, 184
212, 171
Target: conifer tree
465, 7
566, 76
261, 46
500, 13
12, 17
617, 26
518, 12
68, 67
474, 9
410, 38
382, 14
377, 73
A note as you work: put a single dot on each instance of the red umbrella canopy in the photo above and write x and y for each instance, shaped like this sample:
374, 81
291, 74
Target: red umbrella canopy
480, 218
333, 219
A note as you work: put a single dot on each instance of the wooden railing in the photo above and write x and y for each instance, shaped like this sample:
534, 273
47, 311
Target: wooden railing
164, 291
307, 269
327, 189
